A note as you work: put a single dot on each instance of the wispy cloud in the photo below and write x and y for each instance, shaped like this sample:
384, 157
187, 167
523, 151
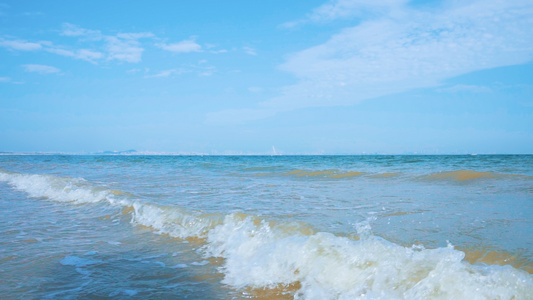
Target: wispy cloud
202, 68
83, 54
460, 88
42, 69
341, 9
185, 46
20, 45
249, 50
126, 47
133, 71
122, 46
218, 51
128, 50
135, 36
76, 31
165, 73
88, 55
210, 48
344, 9
9, 80
397, 48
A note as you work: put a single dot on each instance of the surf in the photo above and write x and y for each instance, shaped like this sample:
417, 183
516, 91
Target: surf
292, 258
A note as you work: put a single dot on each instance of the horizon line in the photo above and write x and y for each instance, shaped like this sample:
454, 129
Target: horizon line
155, 153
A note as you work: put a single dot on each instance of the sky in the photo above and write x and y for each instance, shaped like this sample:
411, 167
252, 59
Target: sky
248, 77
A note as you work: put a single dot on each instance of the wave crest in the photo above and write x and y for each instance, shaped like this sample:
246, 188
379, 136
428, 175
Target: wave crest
291, 257
326, 266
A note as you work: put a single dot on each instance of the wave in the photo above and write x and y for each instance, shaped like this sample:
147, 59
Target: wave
385, 175
173, 221
327, 174
291, 258
333, 173
493, 257
326, 266
467, 175
458, 175
57, 188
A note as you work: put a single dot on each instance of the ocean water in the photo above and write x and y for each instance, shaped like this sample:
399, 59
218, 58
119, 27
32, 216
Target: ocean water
266, 227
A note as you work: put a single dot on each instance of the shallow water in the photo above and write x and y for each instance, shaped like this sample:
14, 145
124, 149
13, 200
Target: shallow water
309, 227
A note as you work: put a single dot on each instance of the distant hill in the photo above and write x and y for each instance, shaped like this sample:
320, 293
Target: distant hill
117, 152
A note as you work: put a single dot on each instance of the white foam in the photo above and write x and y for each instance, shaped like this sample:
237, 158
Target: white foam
172, 220
261, 254
200, 263
160, 263
332, 267
56, 188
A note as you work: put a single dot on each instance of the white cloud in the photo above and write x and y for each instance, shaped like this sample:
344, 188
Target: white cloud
135, 36
206, 73
202, 69
185, 46
133, 71
399, 49
123, 46
42, 69
214, 51
60, 51
249, 50
88, 55
9, 80
165, 73
341, 9
123, 49
20, 45
83, 54
74, 30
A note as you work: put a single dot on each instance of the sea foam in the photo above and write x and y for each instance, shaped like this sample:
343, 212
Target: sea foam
271, 255
332, 267
56, 188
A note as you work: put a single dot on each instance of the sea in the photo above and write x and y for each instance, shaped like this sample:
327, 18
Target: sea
266, 227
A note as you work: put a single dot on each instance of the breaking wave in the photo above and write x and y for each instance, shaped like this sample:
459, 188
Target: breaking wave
292, 258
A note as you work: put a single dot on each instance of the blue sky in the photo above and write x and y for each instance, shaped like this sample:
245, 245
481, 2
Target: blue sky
222, 77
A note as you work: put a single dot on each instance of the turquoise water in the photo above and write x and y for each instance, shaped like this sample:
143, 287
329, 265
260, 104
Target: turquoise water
306, 227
